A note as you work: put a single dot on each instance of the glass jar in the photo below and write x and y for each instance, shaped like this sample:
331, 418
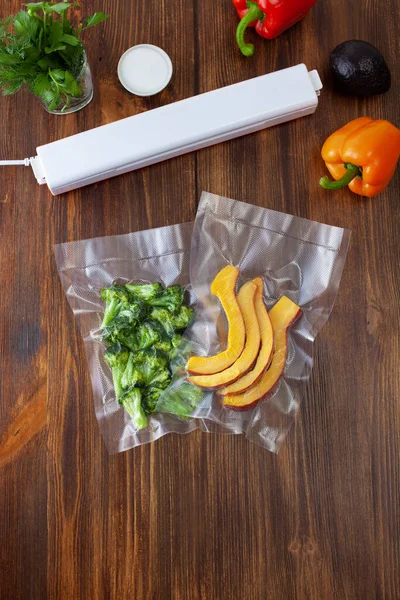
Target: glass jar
85, 83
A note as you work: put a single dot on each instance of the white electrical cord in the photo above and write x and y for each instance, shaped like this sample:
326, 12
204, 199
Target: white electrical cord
8, 163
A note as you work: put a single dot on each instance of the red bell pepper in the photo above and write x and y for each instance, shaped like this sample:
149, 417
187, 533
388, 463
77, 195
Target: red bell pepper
270, 18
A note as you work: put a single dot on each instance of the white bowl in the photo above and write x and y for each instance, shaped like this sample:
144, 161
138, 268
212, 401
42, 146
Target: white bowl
145, 70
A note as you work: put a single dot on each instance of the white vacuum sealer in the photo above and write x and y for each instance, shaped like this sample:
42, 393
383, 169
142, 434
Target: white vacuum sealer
175, 129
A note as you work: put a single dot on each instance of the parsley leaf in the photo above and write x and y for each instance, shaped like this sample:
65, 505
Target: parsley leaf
58, 74
25, 25
60, 7
35, 5
13, 87
95, 19
8, 59
41, 84
71, 40
72, 84
56, 33
48, 62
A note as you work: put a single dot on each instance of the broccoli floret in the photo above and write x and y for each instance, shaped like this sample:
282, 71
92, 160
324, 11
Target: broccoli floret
170, 298
173, 322
172, 346
176, 340
152, 366
145, 291
131, 314
111, 311
117, 358
110, 333
125, 328
150, 399
145, 368
173, 404
161, 379
176, 350
127, 337
131, 401
116, 298
158, 327
181, 401
131, 376
164, 317
127, 318
191, 394
183, 318
148, 334
116, 355
163, 346
115, 291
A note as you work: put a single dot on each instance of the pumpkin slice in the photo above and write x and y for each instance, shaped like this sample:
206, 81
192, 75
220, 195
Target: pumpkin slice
223, 287
282, 315
246, 301
267, 340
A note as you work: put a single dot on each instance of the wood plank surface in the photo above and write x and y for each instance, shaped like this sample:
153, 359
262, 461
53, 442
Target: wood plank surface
201, 517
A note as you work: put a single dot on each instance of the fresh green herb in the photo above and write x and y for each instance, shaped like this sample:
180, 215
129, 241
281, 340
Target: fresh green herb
143, 325
40, 48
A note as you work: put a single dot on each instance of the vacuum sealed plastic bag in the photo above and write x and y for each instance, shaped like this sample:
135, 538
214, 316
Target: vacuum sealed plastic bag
160, 257
298, 265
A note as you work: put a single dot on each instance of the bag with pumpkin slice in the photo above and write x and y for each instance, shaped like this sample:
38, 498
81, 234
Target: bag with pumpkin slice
265, 284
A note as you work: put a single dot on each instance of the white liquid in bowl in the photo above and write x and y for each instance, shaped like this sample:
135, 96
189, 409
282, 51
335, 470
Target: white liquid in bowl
145, 70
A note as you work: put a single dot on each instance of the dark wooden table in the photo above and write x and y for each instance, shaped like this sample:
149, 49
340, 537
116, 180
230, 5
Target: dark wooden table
201, 517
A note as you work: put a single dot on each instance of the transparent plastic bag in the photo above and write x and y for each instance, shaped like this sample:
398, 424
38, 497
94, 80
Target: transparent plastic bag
157, 255
295, 257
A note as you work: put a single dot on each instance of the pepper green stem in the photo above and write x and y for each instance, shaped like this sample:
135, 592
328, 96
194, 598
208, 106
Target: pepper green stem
253, 14
352, 171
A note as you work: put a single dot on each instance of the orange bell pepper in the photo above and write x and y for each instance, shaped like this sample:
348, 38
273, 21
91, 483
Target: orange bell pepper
363, 155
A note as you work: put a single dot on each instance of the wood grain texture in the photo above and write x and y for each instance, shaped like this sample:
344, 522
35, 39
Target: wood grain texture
201, 517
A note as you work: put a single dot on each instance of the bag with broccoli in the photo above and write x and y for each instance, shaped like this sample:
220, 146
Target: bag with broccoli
131, 297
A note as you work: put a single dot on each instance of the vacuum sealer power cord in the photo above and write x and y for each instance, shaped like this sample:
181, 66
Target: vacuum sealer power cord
11, 163
33, 162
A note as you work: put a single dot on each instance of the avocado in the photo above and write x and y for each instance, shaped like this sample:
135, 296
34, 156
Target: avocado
359, 69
